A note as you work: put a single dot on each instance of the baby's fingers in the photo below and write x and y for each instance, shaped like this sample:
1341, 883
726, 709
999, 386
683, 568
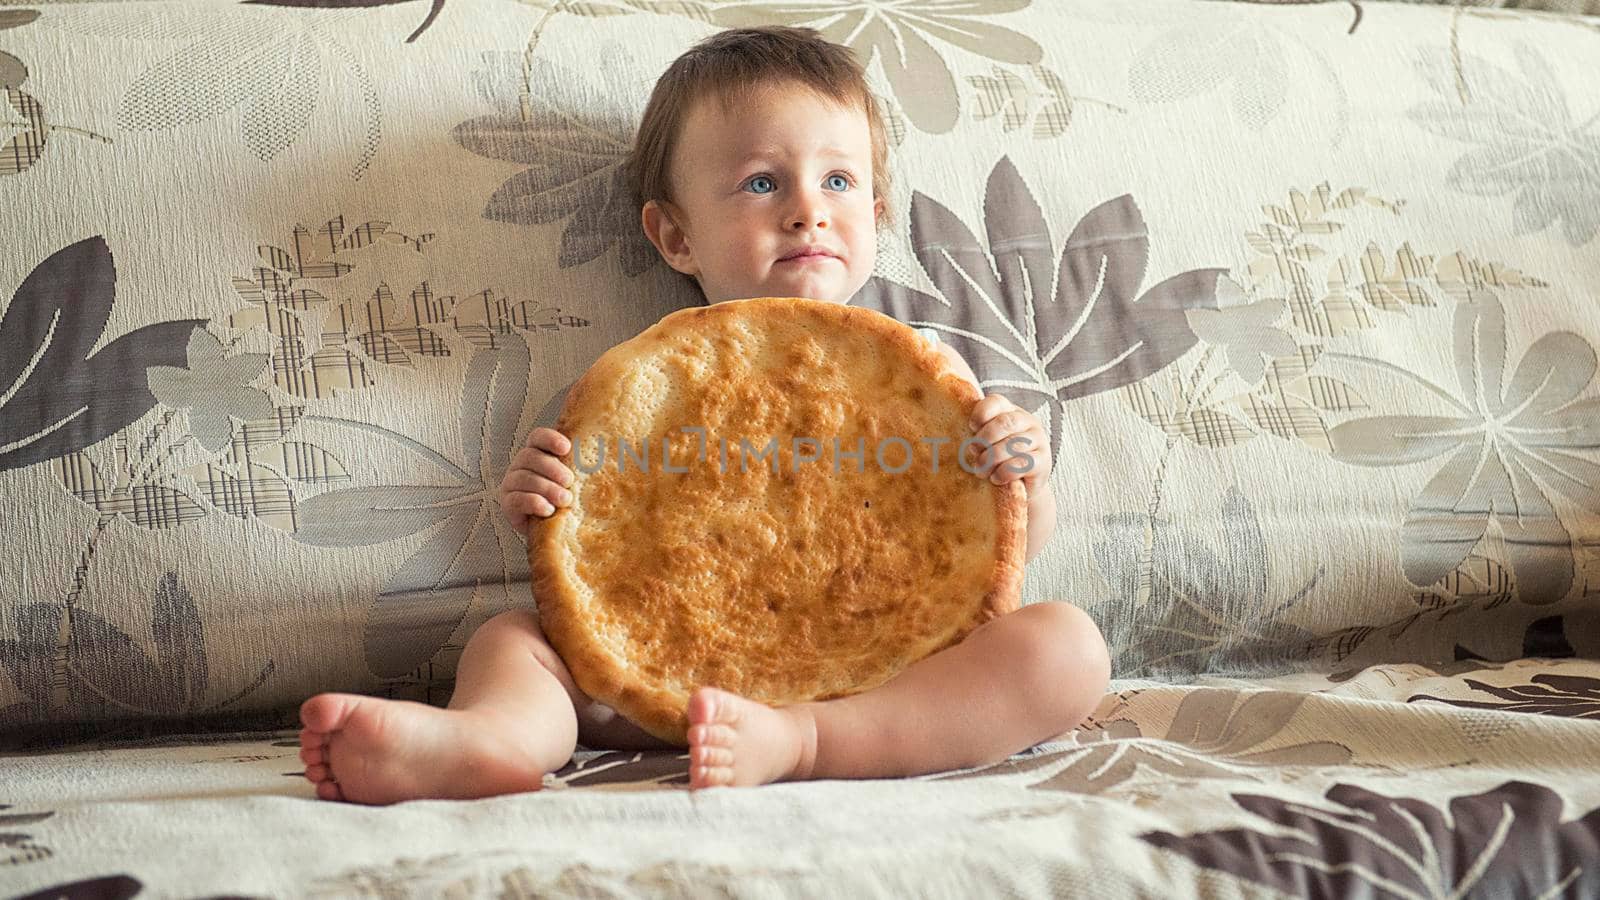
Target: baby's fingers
521, 506
539, 462
549, 440
1017, 456
522, 481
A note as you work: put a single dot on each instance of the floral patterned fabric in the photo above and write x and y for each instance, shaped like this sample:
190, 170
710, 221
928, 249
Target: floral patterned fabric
1568, 7
1470, 780
1304, 293
1309, 316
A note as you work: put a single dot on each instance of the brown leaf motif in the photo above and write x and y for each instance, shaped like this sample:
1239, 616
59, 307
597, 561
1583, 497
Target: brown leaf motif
1282, 399
21, 111
436, 7
572, 154
1508, 841
150, 479
1573, 696
1039, 327
105, 666
620, 767
56, 396
1008, 97
1288, 261
104, 887
1209, 737
18, 847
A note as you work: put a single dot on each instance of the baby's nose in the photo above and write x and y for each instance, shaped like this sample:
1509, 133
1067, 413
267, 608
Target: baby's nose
814, 221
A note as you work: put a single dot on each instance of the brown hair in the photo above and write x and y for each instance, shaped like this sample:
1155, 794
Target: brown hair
732, 65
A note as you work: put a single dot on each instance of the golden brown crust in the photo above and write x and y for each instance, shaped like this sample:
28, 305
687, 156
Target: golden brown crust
801, 584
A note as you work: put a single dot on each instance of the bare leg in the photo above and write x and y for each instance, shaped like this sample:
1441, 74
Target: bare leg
1014, 682
510, 720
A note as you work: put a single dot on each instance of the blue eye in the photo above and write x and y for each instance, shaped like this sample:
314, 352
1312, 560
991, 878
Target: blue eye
838, 182
760, 180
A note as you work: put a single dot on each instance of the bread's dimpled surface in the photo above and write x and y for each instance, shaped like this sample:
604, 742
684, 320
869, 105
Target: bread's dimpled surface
798, 585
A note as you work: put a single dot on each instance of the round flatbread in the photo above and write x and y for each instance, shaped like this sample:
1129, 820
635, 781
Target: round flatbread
759, 507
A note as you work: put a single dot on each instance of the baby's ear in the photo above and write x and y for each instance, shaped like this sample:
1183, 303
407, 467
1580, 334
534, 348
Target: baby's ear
878, 206
661, 227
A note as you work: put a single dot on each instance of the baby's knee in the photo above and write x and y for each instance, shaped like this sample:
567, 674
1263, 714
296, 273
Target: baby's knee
1067, 645
515, 631
512, 626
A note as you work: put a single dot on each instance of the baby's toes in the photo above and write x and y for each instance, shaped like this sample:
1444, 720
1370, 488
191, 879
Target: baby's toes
318, 773
712, 734
312, 756
711, 756
709, 776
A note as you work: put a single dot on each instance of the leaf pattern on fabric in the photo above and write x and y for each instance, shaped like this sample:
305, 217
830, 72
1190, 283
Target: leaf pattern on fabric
14, 18
1257, 64
17, 847
623, 767
1553, 695
1040, 328
22, 119
325, 300
214, 387
1212, 735
1286, 256
1505, 842
56, 397
21, 111
423, 602
435, 7
902, 36
270, 65
1009, 98
1282, 398
1247, 334
1332, 294
105, 665
106, 887
12, 71
1523, 140
1179, 606
1435, 633
459, 874
572, 154
157, 480
1508, 445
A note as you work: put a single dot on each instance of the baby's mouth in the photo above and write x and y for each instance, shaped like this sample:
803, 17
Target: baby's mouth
806, 255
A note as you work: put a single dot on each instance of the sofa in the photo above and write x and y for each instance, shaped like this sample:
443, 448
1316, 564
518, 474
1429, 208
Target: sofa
1305, 293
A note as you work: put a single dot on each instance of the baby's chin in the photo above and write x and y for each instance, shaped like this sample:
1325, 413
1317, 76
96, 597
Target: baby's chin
829, 294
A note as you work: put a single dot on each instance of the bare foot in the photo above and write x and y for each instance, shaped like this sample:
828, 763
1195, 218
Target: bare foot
737, 742
372, 750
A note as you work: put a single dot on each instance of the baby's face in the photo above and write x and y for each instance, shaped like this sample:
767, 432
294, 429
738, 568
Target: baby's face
787, 173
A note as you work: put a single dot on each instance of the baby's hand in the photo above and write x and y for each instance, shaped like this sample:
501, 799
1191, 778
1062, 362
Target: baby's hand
1001, 422
538, 480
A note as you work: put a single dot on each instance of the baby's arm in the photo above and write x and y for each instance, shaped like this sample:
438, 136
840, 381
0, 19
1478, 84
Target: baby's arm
998, 420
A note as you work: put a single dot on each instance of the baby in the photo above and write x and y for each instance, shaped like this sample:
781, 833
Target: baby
761, 164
